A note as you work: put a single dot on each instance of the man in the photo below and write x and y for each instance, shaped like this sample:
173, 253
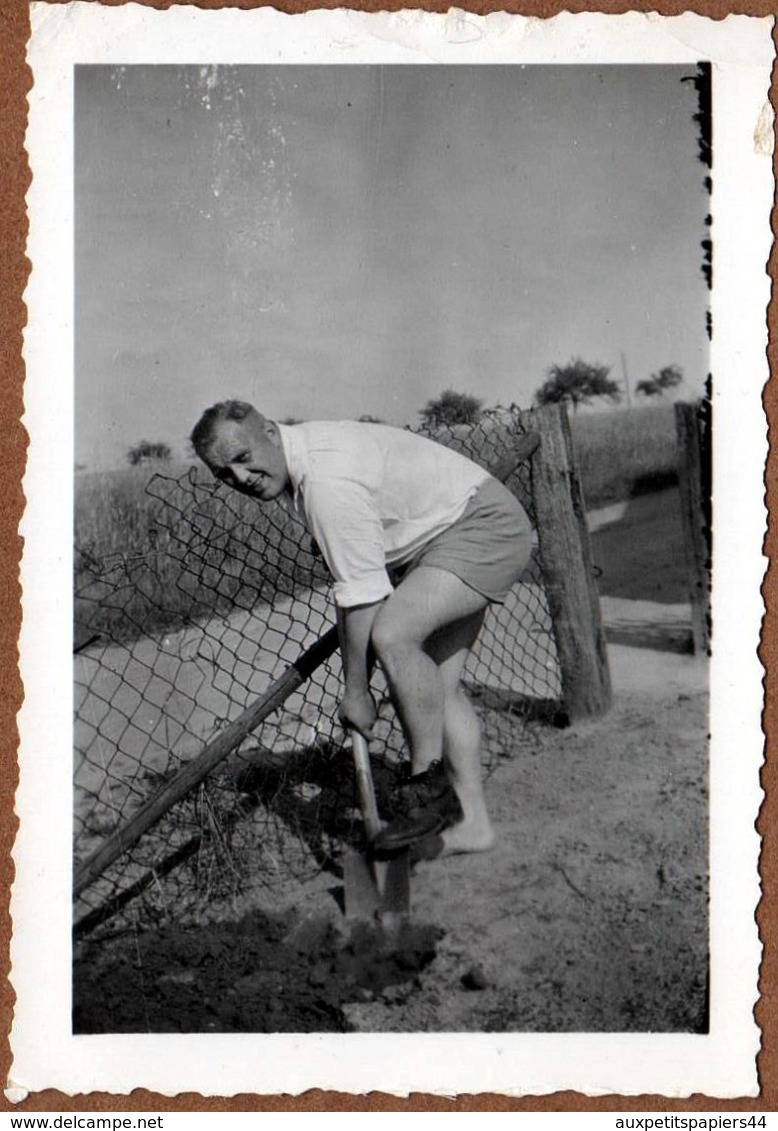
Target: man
375, 499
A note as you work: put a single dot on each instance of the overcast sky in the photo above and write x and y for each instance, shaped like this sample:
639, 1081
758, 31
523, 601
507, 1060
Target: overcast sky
331, 241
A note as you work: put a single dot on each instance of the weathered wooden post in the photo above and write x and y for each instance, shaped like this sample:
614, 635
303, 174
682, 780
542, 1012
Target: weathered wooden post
566, 558
694, 484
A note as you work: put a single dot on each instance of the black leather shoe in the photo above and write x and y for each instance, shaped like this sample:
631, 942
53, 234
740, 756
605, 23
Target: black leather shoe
428, 792
403, 832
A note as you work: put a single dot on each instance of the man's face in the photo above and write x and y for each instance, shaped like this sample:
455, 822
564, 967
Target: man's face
247, 455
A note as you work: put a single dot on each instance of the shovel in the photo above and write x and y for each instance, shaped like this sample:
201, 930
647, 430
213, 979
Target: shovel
373, 888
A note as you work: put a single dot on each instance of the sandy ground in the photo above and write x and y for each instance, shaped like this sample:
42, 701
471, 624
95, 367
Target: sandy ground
590, 914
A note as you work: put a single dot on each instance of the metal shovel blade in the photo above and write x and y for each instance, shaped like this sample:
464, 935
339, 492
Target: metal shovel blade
361, 895
373, 887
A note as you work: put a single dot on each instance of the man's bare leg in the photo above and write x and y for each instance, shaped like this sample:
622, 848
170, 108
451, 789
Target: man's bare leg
422, 637
427, 601
462, 740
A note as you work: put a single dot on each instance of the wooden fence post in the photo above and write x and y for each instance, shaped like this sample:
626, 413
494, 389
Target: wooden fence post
566, 558
694, 484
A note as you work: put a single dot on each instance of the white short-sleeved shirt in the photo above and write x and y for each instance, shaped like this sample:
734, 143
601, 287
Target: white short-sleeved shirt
373, 496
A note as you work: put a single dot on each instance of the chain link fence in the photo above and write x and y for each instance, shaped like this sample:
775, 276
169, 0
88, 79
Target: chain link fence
208, 601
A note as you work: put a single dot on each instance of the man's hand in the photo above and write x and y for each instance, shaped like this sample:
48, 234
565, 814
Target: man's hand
357, 711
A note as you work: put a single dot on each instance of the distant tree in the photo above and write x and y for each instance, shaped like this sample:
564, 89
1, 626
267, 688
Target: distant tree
670, 377
451, 408
648, 388
290, 420
576, 383
367, 418
147, 451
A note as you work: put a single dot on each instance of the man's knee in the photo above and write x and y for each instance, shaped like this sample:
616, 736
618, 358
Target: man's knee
455, 695
391, 637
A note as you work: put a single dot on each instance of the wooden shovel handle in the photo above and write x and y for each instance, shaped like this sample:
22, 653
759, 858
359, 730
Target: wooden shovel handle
365, 788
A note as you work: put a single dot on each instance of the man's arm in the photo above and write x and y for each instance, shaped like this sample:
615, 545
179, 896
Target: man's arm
341, 516
357, 708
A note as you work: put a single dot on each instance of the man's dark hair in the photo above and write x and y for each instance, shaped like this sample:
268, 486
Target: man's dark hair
203, 431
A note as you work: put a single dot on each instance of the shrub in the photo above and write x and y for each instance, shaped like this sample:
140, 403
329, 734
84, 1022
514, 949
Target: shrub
451, 408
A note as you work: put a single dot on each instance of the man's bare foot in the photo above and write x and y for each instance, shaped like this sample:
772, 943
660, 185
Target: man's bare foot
467, 837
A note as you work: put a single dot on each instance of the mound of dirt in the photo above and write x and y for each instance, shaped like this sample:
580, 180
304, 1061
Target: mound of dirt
264, 973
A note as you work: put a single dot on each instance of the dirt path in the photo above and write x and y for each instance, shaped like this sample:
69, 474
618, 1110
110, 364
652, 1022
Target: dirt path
638, 548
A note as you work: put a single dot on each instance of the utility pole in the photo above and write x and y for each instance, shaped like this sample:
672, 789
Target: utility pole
626, 379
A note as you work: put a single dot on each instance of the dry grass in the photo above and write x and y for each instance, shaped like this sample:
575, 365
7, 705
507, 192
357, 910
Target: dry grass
156, 550
625, 452
113, 513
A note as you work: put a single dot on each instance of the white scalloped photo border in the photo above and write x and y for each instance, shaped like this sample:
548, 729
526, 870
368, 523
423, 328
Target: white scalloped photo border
721, 1063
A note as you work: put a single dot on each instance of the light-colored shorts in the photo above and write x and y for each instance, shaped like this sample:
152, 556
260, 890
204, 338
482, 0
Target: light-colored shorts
489, 547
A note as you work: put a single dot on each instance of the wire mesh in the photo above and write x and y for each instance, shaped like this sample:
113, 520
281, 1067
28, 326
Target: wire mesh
189, 601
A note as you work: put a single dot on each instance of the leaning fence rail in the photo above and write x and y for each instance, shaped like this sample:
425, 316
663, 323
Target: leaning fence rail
203, 739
